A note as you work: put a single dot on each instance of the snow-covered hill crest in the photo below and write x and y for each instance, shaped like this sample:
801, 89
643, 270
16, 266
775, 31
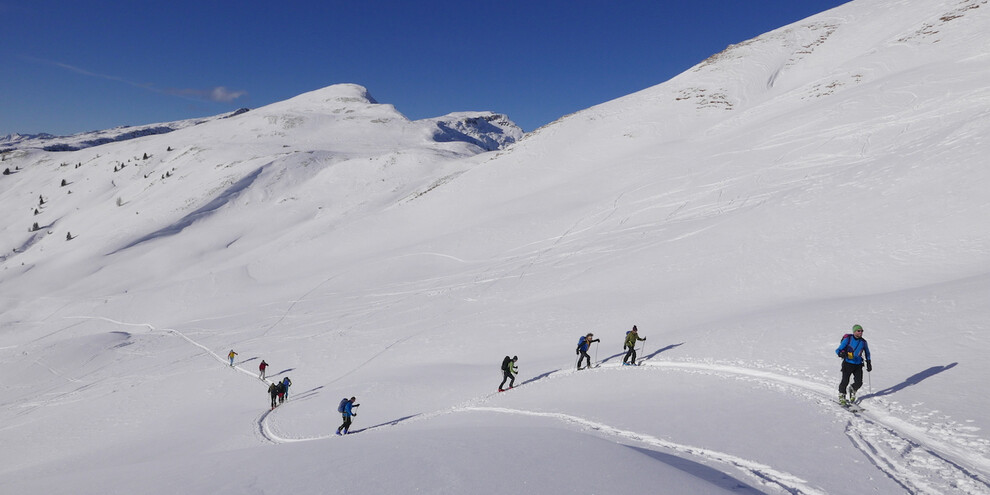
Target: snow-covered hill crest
336, 150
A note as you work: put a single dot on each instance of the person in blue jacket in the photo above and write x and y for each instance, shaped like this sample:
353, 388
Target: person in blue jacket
285, 384
854, 351
347, 412
582, 349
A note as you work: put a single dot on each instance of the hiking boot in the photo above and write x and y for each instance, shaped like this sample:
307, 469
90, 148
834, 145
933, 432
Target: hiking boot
852, 395
842, 400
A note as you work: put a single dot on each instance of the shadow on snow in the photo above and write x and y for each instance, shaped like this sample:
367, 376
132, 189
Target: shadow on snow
281, 372
202, 212
645, 356
701, 471
912, 380
388, 423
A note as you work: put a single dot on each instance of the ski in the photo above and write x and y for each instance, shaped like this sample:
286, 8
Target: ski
850, 406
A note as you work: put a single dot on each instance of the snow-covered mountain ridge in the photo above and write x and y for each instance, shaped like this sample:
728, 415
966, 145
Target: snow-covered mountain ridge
743, 214
505, 130
49, 142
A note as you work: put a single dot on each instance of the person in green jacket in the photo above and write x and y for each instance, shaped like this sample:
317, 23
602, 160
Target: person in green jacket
631, 337
508, 372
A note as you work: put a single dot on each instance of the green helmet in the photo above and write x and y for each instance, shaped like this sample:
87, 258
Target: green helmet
857, 328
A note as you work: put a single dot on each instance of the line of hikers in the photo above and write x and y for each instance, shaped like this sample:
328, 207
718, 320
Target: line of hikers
628, 345
279, 392
509, 369
853, 350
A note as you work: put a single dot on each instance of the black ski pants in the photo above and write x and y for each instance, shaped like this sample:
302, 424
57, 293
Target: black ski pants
630, 356
347, 423
507, 376
584, 356
853, 370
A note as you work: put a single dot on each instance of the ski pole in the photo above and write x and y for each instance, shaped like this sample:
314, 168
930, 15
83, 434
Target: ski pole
596, 353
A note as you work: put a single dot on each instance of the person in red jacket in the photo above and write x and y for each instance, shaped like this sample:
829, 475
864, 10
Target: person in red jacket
262, 367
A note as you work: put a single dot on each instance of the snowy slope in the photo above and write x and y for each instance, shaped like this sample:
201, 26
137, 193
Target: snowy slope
743, 214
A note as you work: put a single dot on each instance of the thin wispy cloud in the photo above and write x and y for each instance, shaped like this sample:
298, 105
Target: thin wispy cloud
220, 94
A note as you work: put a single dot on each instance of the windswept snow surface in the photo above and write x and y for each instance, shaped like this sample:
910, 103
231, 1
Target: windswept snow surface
744, 215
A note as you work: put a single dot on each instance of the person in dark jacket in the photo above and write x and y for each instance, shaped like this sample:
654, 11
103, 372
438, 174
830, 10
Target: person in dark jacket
508, 372
854, 351
273, 391
347, 412
584, 343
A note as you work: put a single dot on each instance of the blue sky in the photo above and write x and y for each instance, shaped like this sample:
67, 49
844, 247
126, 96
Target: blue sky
74, 66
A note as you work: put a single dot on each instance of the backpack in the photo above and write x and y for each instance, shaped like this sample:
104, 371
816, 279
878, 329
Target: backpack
848, 350
847, 338
340, 408
505, 363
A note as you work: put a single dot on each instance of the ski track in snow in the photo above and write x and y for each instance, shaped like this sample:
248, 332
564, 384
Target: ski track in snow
904, 452
767, 474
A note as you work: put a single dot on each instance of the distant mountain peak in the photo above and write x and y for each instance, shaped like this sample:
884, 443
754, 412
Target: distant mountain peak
489, 130
335, 96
